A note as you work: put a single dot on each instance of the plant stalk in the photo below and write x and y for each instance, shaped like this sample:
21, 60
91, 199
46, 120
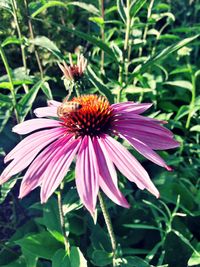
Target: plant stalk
12, 90
146, 26
101, 7
32, 37
192, 103
62, 220
14, 7
108, 225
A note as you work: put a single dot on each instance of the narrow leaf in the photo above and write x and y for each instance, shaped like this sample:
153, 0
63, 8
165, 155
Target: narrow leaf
165, 52
45, 42
25, 103
98, 84
95, 41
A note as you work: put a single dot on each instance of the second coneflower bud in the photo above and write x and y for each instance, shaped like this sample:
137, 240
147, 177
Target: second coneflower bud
74, 72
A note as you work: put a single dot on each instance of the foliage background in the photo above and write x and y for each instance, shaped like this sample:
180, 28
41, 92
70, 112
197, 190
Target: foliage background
138, 50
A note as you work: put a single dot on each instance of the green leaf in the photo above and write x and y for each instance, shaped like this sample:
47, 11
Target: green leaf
89, 7
5, 117
165, 52
18, 263
141, 226
98, 20
186, 241
11, 40
6, 4
121, 9
5, 189
5, 98
183, 84
183, 111
102, 258
43, 244
25, 103
19, 77
71, 201
131, 89
47, 5
30, 258
99, 84
195, 258
95, 41
45, 42
61, 259
136, 6
195, 128
51, 215
47, 90
134, 262
76, 258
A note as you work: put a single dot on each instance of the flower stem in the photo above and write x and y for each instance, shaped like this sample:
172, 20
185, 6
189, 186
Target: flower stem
14, 7
62, 219
32, 37
12, 90
192, 103
108, 225
101, 7
127, 25
126, 41
146, 26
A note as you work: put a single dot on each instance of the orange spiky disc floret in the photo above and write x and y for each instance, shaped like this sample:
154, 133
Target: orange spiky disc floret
93, 118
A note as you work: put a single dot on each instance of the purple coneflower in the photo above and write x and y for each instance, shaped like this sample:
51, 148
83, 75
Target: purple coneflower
85, 131
74, 71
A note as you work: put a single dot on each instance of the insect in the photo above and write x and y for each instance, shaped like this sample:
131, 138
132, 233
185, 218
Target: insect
66, 107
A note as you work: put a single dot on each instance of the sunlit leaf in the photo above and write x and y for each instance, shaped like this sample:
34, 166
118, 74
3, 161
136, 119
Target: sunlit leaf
45, 42
99, 85
89, 7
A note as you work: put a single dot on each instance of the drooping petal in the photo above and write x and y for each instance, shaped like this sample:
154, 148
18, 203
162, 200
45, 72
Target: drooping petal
154, 141
128, 165
147, 152
46, 112
108, 176
34, 140
131, 116
53, 103
125, 107
87, 174
35, 124
34, 175
58, 168
24, 156
145, 126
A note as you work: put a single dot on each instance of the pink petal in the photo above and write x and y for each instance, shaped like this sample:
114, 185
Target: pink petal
154, 141
135, 128
35, 124
128, 165
146, 126
53, 103
130, 116
87, 174
46, 112
34, 140
147, 152
125, 107
24, 156
108, 176
34, 175
58, 168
